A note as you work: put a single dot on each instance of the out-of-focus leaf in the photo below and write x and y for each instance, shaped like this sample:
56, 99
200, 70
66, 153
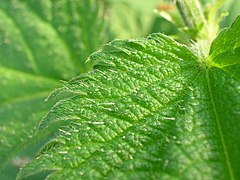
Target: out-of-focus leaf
41, 43
130, 19
233, 8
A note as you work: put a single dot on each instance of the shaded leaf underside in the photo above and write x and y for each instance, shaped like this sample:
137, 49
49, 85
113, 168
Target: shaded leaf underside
147, 110
41, 43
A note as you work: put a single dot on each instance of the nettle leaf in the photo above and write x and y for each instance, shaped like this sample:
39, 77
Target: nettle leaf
41, 43
150, 109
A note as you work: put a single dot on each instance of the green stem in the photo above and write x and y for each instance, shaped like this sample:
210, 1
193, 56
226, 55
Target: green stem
191, 11
183, 14
193, 16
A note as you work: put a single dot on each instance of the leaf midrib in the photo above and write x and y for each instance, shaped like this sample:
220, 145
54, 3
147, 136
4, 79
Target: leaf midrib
219, 127
29, 74
25, 98
42, 93
31, 54
75, 60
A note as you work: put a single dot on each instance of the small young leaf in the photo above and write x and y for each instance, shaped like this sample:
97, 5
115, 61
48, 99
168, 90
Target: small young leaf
225, 49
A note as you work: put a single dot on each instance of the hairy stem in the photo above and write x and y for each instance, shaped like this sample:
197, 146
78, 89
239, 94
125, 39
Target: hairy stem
193, 16
183, 14
192, 13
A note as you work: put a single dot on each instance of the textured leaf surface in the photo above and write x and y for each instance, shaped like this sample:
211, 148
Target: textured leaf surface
149, 109
41, 42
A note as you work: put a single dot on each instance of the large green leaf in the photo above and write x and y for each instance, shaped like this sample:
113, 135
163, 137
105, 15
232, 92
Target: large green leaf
150, 109
41, 43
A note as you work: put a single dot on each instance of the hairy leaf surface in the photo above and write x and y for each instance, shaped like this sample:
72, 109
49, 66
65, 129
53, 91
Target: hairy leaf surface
41, 43
150, 109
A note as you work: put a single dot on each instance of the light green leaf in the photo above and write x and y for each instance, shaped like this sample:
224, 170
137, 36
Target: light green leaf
41, 43
148, 110
225, 49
